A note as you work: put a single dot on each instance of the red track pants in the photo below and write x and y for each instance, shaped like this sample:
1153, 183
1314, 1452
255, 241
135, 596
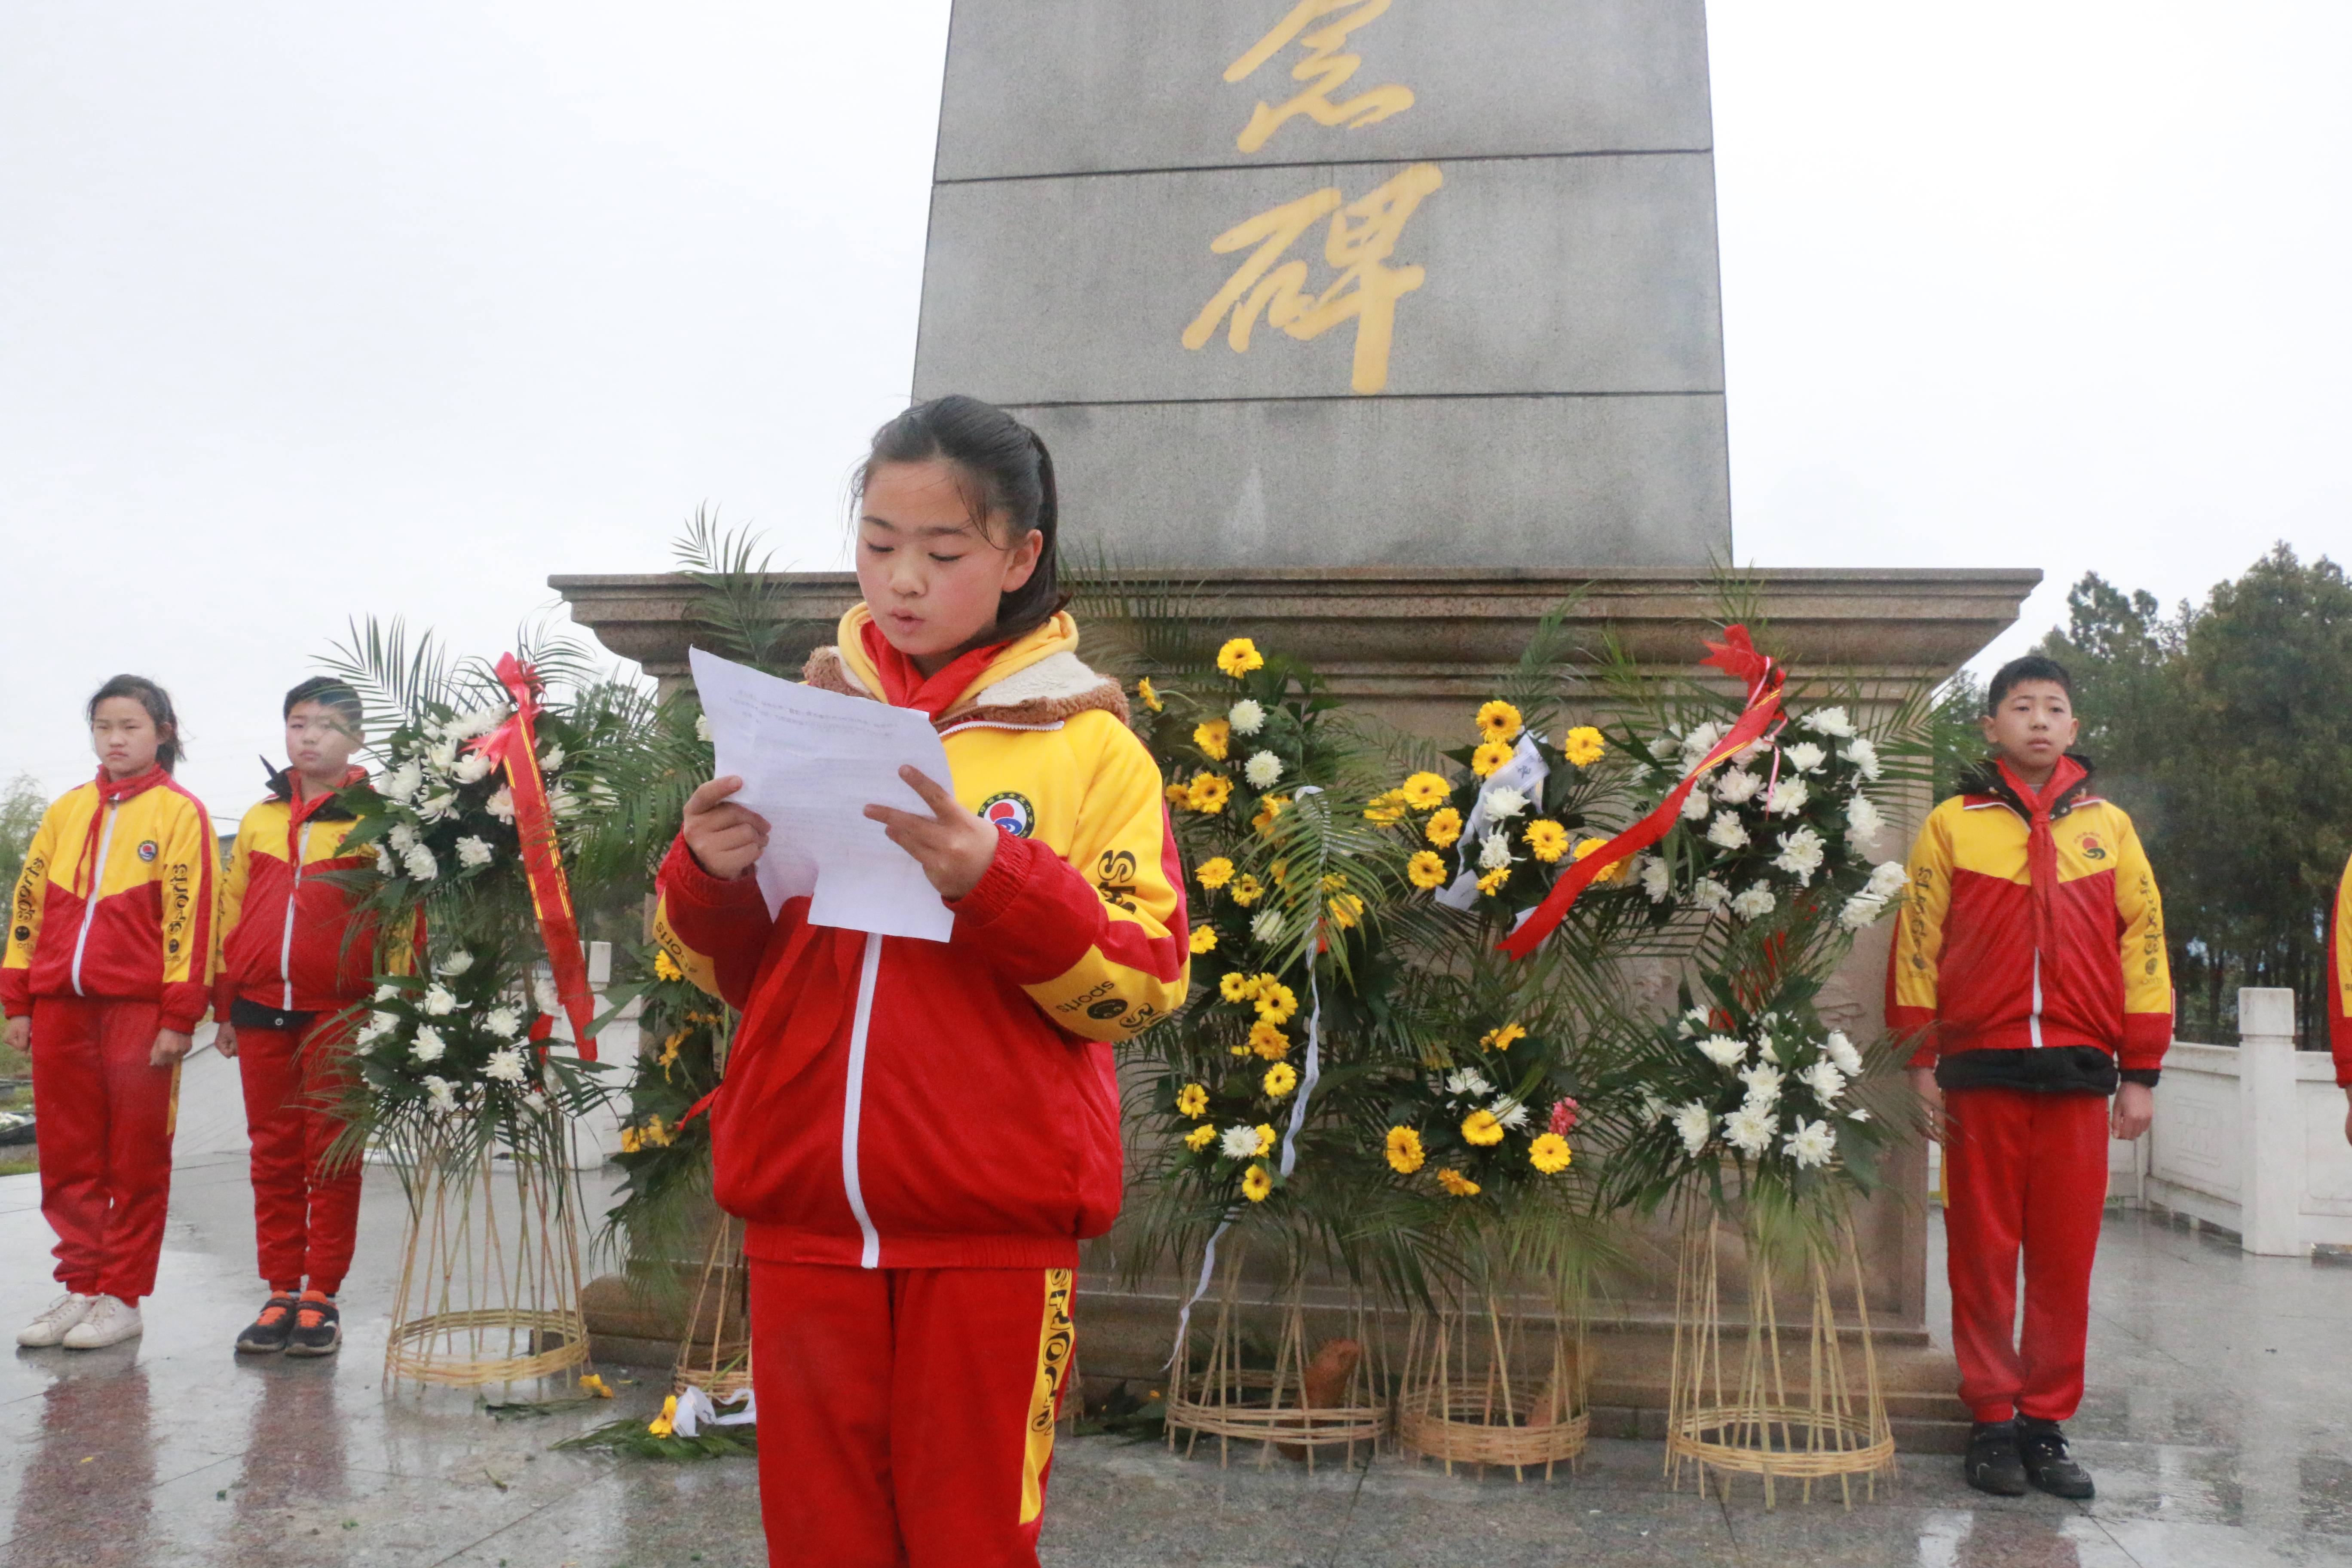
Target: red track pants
103, 1120
907, 1414
2025, 1174
305, 1210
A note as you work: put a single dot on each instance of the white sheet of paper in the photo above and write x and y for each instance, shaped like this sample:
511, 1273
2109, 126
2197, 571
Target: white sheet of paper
811, 762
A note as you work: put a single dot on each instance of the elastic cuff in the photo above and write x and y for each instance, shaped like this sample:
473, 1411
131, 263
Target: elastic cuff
2146, 1076
998, 886
683, 874
185, 1025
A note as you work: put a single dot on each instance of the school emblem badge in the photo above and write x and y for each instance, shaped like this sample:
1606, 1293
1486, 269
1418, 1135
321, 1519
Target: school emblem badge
1011, 813
2090, 847
148, 851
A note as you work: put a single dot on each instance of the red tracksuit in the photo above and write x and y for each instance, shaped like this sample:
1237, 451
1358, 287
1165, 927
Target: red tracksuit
110, 940
2030, 961
291, 964
918, 1133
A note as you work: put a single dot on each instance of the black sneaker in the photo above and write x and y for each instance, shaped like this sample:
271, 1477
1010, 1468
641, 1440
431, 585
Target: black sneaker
2042, 1445
318, 1327
1993, 1464
267, 1334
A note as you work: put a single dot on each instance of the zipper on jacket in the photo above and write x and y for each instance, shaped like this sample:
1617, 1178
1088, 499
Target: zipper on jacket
2033, 1019
286, 942
853, 1097
96, 882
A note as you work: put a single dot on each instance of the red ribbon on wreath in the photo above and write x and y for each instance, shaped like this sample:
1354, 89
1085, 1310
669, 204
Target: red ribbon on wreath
1736, 656
514, 746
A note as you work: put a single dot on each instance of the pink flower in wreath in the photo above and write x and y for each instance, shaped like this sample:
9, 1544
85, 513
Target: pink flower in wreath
1563, 1116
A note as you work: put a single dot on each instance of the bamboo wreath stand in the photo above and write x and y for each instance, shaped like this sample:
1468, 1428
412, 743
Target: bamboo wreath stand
1487, 1385
1216, 1393
715, 1356
1783, 1405
489, 1272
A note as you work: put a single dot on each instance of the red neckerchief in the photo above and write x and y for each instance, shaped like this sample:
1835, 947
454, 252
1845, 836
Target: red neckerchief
300, 811
905, 686
112, 791
2041, 844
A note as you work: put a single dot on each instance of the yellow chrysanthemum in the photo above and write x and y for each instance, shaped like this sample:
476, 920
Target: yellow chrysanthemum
656, 1135
1280, 1079
1386, 810
666, 1423
1213, 873
1239, 657
1276, 1003
1256, 1184
1280, 872
1268, 808
631, 1140
670, 1048
1582, 746
1248, 892
1546, 839
1489, 757
1444, 827
1424, 791
1177, 794
1335, 881
1404, 1151
1265, 1137
1241, 1050
1345, 910
1481, 1128
1455, 1183
1492, 882
1208, 793
1150, 697
1426, 870
1503, 1039
1201, 1137
590, 1383
1499, 721
1615, 873
666, 968
1268, 1041
1193, 1100
1214, 736
1236, 988
1548, 1153
1205, 938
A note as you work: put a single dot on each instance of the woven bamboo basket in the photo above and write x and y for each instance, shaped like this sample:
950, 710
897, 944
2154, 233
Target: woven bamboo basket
715, 1356
489, 1272
1809, 1416
1493, 1387
1216, 1395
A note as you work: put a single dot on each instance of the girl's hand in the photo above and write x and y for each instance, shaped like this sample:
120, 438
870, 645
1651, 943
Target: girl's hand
2134, 1109
225, 1039
724, 838
954, 846
171, 1045
1931, 1095
20, 1034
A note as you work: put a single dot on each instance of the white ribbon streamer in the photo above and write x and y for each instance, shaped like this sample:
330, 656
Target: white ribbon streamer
1525, 773
696, 1410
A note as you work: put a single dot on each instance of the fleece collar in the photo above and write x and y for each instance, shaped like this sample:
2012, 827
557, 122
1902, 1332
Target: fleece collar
1035, 681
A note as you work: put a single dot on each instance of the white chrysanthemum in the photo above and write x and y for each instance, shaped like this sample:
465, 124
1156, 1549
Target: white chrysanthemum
1802, 850
1246, 717
1859, 1113
1710, 895
1695, 1124
1509, 1113
505, 1065
473, 851
1737, 786
1763, 1081
1824, 1079
562, 801
402, 783
440, 757
384, 865
437, 1090
1656, 880
1887, 879
1753, 902
542, 992
472, 768
1766, 1049
702, 728
379, 1023
1493, 853
1696, 804
1840, 1049
1829, 721
433, 808
1863, 756
1789, 797
504, 1022
1261, 770
455, 963
1239, 1142
480, 722
1653, 1108
439, 1001
1268, 927
419, 864
500, 804
1749, 1130
1727, 831
402, 838
1804, 757
1811, 1145
388, 993
429, 1046
1723, 1050
1862, 817
550, 759
1861, 910
1467, 1082
1700, 741
1503, 804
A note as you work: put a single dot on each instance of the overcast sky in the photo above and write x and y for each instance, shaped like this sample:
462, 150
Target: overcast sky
313, 311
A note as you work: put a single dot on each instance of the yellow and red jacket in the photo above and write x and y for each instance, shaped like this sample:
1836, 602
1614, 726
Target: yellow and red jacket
897, 1103
2339, 979
287, 942
2029, 954
116, 900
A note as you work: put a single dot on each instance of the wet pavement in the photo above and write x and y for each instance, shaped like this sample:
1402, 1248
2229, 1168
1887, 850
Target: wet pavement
2217, 1424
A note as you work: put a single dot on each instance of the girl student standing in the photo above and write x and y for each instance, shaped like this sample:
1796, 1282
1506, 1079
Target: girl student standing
108, 970
918, 1134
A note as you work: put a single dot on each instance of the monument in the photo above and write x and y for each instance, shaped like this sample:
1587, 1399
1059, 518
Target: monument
1376, 329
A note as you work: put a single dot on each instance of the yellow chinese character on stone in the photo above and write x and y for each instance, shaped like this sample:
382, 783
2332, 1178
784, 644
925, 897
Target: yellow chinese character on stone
1362, 237
1325, 67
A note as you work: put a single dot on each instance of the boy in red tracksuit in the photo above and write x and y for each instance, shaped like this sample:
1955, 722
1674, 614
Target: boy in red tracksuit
107, 973
2030, 964
293, 962
918, 1133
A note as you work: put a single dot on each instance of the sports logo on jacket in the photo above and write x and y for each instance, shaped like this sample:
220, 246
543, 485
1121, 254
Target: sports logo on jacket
148, 850
2090, 847
1115, 879
1011, 812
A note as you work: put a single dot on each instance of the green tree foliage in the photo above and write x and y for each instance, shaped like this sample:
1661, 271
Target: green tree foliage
2226, 730
21, 805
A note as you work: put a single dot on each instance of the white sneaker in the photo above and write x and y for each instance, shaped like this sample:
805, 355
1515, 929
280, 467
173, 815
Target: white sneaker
111, 1321
61, 1314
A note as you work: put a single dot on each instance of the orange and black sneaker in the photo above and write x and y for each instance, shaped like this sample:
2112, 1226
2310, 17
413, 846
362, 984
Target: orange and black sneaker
317, 1326
267, 1334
